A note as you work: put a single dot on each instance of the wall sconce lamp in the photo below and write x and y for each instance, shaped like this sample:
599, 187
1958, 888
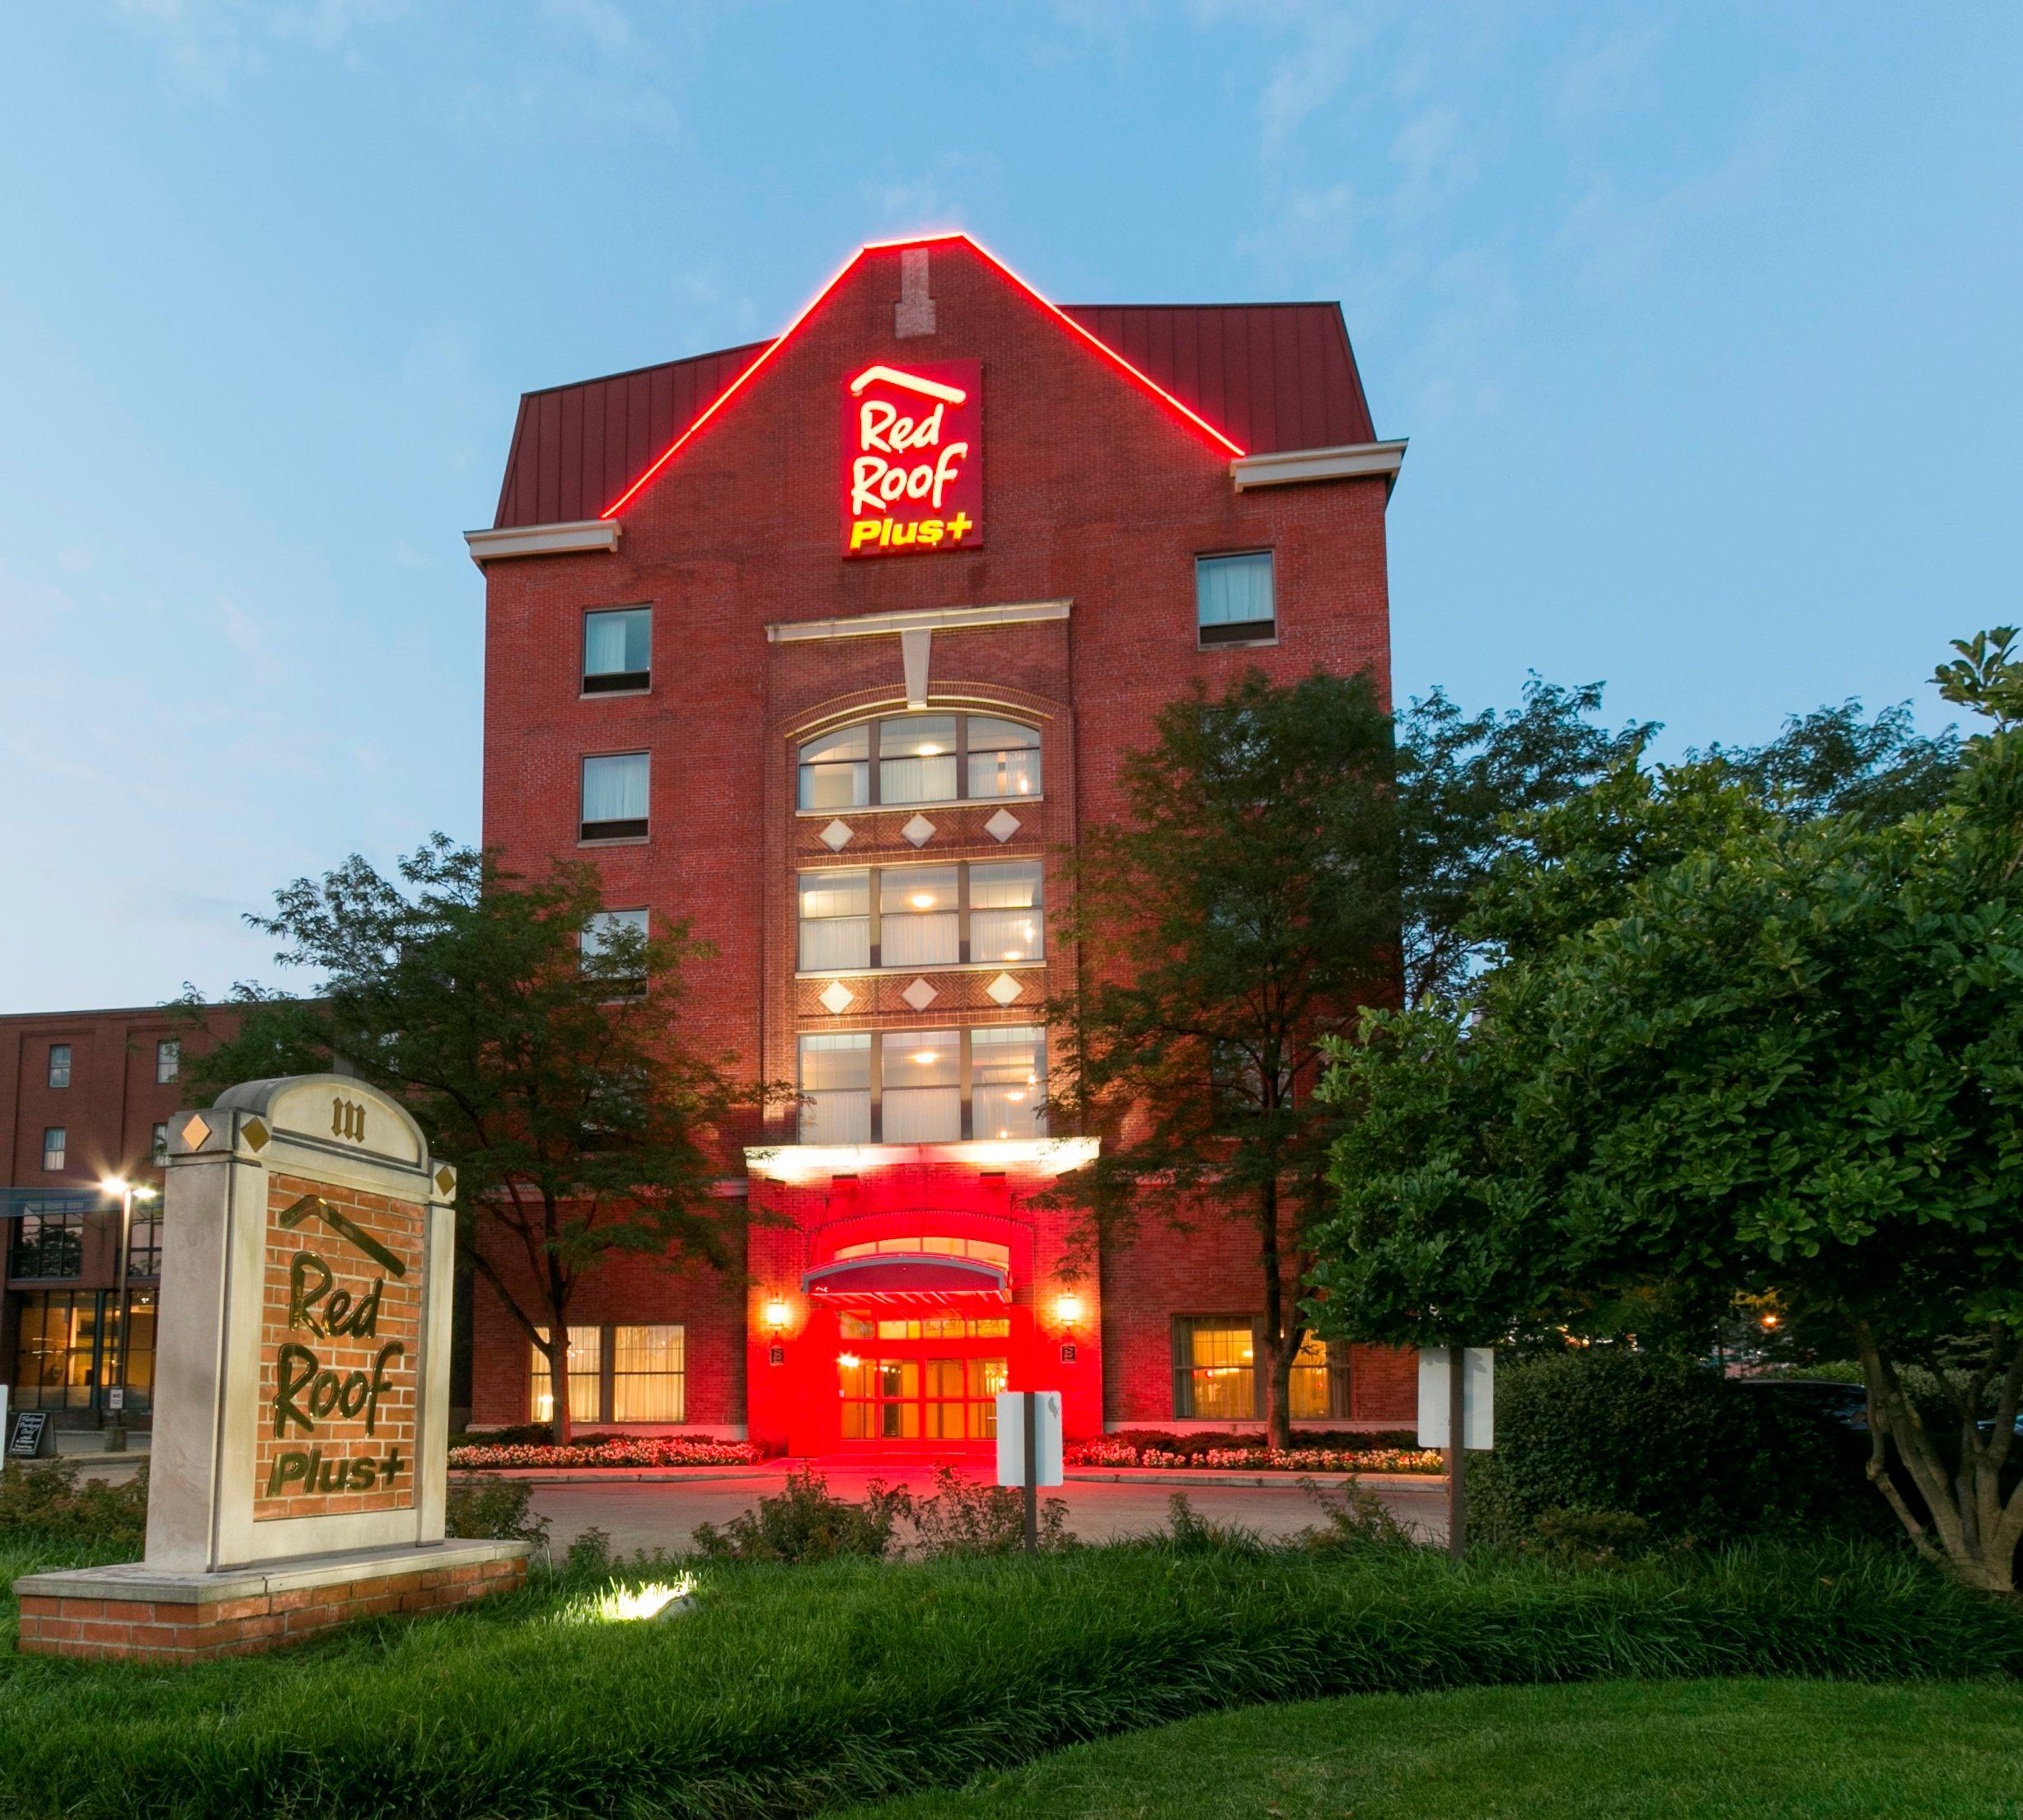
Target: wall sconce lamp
1068, 1309
776, 1315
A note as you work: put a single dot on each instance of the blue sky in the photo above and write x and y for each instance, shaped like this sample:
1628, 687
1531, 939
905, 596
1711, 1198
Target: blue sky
1700, 319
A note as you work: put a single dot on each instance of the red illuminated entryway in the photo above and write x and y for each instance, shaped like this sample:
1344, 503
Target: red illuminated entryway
924, 1336
929, 1378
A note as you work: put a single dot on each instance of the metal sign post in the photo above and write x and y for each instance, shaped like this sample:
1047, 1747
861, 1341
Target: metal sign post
1457, 1411
1029, 1449
1031, 1424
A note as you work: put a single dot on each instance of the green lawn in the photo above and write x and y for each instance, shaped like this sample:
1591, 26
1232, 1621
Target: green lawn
1687, 1750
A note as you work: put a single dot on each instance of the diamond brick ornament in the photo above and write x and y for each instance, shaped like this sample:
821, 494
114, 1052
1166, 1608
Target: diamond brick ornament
836, 836
920, 995
838, 998
1004, 988
1002, 826
919, 831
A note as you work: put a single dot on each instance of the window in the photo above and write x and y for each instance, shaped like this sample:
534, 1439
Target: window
586, 1397
47, 1239
924, 1086
1006, 1094
1233, 599
835, 1079
158, 1142
916, 759
613, 798
59, 1065
919, 919
939, 1326
56, 1350
1003, 758
606, 933
143, 1245
924, 916
920, 758
836, 770
617, 649
55, 1142
1004, 920
139, 1358
168, 1061
835, 920
647, 1380
1319, 1386
1213, 1375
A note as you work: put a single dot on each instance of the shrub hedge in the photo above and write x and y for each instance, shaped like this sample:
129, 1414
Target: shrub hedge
789, 1689
1692, 1453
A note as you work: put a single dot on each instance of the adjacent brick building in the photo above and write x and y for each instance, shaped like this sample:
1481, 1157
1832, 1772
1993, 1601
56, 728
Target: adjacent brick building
86, 1096
829, 645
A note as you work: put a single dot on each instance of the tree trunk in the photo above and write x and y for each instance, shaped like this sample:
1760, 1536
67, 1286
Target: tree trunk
558, 1382
1277, 1364
1972, 1530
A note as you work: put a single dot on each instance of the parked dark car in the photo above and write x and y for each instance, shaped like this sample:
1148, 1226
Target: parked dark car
1846, 1404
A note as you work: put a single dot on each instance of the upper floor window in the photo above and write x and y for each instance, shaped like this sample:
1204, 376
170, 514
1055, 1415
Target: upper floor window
612, 929
614, 796
158, 1141
59, 1065
168, 1061
921, 916
1233, 601
924, 1086
617, 649
55, 1142
920, 758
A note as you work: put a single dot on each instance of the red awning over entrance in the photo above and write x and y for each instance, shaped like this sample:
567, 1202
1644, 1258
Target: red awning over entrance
899, 1280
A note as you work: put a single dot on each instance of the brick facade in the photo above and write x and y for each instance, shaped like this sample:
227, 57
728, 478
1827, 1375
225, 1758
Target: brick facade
1100, 497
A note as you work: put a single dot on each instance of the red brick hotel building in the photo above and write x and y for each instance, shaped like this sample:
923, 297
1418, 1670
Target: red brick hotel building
830, 645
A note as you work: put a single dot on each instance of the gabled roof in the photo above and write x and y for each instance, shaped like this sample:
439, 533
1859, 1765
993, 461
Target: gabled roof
1257, 378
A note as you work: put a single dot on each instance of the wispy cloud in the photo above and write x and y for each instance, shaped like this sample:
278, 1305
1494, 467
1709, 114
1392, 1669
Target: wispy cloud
206, 44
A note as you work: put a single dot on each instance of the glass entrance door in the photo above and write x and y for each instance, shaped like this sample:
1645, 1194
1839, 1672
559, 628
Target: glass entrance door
895, 1397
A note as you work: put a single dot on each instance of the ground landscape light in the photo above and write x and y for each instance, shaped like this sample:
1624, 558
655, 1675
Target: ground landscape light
620, 1604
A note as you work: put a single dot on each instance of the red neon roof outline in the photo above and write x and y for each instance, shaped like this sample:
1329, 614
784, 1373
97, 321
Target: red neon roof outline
849, 265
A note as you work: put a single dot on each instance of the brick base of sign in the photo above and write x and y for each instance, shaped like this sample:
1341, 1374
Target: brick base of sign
142, 1613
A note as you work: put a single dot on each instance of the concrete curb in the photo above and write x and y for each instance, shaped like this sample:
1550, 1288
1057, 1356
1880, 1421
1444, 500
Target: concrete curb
1377, 1481
609, 1475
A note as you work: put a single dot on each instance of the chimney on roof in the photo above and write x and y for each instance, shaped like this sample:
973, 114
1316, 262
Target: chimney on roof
914, 314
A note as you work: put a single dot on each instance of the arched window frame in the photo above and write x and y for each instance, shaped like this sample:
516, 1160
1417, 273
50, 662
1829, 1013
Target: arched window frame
970, 741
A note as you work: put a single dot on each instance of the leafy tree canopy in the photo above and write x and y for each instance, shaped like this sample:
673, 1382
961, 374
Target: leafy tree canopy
534, 1042
1729, 1051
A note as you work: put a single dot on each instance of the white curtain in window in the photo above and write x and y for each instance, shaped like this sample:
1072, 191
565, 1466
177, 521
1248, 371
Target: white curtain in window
605, 641
840, 786
923, 1114
1233, 590
918, 940
615, 788
1007, 1110
647, 1374
838, 1116
585, 1363
1005, 774
831, 943
917, 779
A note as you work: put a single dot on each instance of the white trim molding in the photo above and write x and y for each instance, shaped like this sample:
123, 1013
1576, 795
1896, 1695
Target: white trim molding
579, 534
926, 619
1351, 462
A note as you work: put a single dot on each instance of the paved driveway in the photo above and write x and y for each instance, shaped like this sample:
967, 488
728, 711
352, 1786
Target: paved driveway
656, 1515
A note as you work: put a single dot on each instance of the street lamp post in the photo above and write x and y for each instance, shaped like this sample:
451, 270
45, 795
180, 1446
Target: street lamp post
128, 1193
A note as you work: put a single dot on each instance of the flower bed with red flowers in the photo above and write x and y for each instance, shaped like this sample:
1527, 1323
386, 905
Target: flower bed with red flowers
1310, 1453
645, 1450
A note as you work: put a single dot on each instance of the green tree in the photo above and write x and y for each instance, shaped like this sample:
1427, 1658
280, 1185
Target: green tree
1239, 914
1730, 1052
536, 1046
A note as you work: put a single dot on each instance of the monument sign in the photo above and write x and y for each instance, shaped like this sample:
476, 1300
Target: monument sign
299, 1462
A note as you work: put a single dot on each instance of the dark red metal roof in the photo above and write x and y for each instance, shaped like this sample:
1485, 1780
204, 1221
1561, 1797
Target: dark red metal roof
1272, 376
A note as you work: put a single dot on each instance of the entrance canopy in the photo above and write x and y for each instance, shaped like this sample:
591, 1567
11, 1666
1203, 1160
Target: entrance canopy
901, 1279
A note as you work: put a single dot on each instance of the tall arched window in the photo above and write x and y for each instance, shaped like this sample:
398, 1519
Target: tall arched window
910, 759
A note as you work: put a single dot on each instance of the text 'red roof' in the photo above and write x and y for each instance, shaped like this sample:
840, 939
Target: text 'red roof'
1272, 376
